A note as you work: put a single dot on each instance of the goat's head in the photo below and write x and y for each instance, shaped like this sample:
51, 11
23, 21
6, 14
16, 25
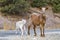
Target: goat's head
24, 20
43, 9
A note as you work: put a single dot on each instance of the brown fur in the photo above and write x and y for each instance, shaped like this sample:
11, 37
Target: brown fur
38, 20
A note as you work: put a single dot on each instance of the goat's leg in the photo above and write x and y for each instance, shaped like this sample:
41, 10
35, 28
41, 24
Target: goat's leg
34, 30
42, 30
22, 31
28, 30
17, 30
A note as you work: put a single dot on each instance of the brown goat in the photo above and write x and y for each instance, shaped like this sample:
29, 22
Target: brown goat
38, 20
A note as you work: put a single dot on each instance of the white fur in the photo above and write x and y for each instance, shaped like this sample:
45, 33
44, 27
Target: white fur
21, 25
43, 9
35, 14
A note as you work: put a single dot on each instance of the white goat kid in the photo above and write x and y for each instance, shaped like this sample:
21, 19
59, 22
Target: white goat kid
21, 25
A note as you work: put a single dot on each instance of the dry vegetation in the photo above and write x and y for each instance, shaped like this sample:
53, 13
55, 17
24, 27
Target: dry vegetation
9, 21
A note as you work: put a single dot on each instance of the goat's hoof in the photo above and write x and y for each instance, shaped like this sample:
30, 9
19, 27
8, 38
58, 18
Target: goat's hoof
28, 33
42, 35
35, 35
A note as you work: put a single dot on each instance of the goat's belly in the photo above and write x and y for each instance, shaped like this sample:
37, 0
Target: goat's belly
36, 23
19, 25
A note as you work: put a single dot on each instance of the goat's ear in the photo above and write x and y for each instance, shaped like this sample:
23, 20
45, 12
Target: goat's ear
40, 8
46, 8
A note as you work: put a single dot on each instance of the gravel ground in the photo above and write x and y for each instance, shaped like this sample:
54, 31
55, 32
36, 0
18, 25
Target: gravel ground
47, 37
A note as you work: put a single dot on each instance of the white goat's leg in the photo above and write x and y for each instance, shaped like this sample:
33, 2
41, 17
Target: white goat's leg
22, 32
25, 30
16, 31
22, 29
